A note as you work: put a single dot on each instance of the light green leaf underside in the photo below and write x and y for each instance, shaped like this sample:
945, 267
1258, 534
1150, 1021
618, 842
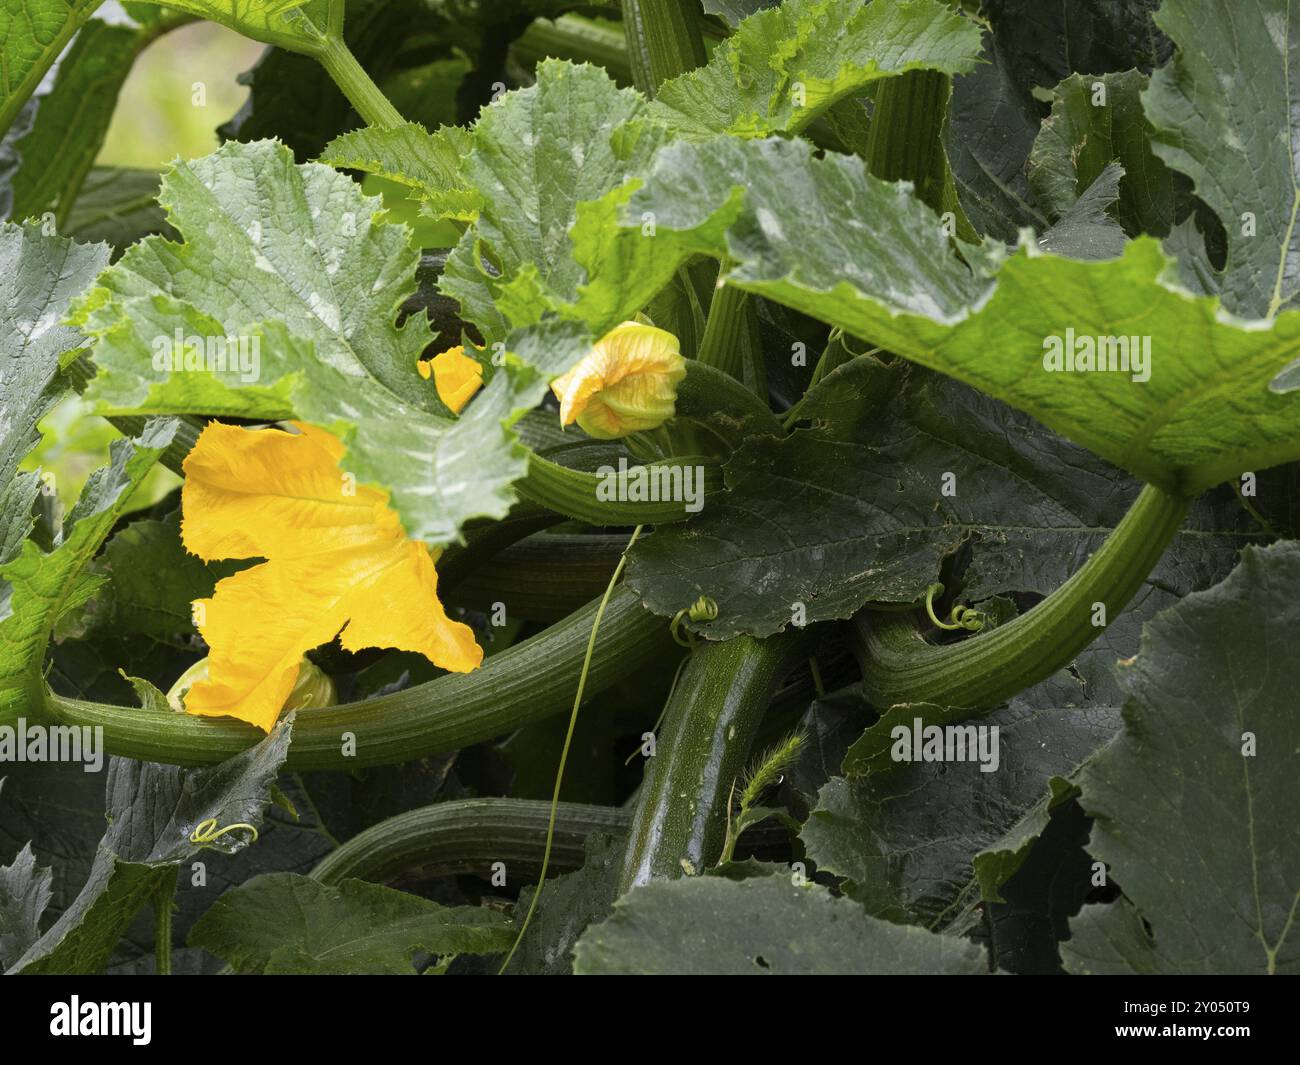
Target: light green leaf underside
1216, 673
71, 121
298, 25
32, 34
784, 67
152, 811
761, 926
1226, 112
824, 237
429, 164
283, 923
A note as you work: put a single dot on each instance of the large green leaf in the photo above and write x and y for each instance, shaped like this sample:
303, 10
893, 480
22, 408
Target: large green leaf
308, 276
279, 923
899, 469
1192, 801
824, 237
538, 153
785, 66
1225, 115
906, 840
152, 813
705, 925
996, 110
39, 277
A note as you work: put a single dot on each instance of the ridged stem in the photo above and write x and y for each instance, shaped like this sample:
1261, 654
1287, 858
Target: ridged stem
663, 40
525, 683
467, 836
979, 672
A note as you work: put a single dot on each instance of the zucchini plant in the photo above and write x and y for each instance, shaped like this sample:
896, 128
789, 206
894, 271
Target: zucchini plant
654, 487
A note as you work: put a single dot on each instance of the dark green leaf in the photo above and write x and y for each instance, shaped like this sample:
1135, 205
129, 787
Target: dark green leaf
1191, 803
768, 926
280, 923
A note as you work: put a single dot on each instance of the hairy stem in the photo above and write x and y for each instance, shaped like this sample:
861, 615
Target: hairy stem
362, 93
980, 672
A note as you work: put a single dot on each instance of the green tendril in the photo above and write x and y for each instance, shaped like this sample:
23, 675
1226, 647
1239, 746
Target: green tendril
703, 609
207, 831
960, 617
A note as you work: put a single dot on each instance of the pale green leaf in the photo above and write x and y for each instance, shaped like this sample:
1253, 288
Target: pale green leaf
824, 237
430, 164
313, 284
785, 66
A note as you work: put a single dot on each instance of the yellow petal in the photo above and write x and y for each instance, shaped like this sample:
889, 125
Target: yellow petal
455, 375
626, 384
337, 558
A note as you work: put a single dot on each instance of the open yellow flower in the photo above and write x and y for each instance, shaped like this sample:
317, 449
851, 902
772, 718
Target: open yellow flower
455, 375
338, 563
626, 384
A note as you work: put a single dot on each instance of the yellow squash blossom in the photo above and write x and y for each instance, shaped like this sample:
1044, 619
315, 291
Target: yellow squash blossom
455, 375
626, 384
337, 563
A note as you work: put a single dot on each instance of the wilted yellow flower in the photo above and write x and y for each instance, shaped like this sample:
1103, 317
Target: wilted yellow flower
455, 375
626, 384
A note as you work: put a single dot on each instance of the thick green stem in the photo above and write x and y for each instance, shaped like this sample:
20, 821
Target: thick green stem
528, 682
362, 93
899, 666
467, 836
162, 925
905, 141
663, 40
709, 726
731, 341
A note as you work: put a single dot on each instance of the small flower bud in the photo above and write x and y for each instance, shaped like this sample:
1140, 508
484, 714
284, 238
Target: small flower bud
626, 384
